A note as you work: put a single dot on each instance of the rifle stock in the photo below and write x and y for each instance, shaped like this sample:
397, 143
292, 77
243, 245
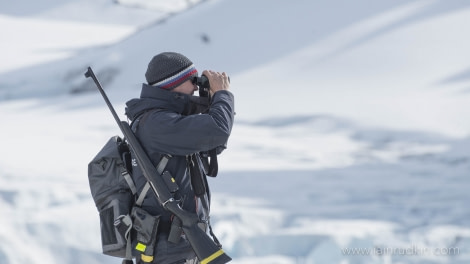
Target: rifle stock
205, 248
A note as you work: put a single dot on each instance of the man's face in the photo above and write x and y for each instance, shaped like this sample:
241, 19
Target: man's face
187, 88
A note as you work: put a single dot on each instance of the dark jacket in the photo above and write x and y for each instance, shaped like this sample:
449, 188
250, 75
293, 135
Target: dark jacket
164, 126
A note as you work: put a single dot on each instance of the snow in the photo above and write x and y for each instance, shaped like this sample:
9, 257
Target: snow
351, 142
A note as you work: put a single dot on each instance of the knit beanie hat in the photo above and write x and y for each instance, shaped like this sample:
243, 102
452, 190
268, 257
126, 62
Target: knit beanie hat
169, 69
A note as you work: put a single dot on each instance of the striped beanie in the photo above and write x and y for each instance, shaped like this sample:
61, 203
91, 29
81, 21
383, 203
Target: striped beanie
169, 69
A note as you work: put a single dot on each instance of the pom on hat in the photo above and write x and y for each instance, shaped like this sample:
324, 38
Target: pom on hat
169, 69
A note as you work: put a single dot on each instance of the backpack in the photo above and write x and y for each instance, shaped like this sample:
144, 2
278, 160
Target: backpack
123, 223
113, 192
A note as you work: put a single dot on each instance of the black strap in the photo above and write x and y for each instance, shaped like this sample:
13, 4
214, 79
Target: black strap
209, 161
213, 165
200, 185
214, 237
197, 180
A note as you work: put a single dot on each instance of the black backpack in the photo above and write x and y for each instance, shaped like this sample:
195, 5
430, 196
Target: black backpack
114, 192
123, 223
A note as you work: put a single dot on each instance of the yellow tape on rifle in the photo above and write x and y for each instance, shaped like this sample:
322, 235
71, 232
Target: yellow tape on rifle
212, 257
140, 247
146, 258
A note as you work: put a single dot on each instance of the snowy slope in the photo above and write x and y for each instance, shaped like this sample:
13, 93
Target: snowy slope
351, 128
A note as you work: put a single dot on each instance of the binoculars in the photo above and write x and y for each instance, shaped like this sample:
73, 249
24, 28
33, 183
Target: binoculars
204, 86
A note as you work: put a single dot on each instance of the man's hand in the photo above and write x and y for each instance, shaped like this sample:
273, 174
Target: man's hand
218, 81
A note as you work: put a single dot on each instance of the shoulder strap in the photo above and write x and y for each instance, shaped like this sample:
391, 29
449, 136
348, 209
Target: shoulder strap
160, 168
129, 180
161, 165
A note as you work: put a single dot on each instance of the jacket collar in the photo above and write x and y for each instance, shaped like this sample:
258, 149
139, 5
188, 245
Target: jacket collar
154, 97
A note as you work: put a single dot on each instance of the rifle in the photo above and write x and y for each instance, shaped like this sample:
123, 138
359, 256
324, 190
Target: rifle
205, 248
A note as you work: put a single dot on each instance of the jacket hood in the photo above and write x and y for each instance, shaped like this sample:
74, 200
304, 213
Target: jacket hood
153, 97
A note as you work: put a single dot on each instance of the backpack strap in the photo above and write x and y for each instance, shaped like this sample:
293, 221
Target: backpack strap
129, 180
160, 168
125, 166
142, 194
161, 165
123, 223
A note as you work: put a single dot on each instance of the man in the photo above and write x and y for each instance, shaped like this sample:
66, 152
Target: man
167, 121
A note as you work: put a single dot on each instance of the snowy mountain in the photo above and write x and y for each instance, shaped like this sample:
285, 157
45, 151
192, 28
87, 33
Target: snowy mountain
351, 142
